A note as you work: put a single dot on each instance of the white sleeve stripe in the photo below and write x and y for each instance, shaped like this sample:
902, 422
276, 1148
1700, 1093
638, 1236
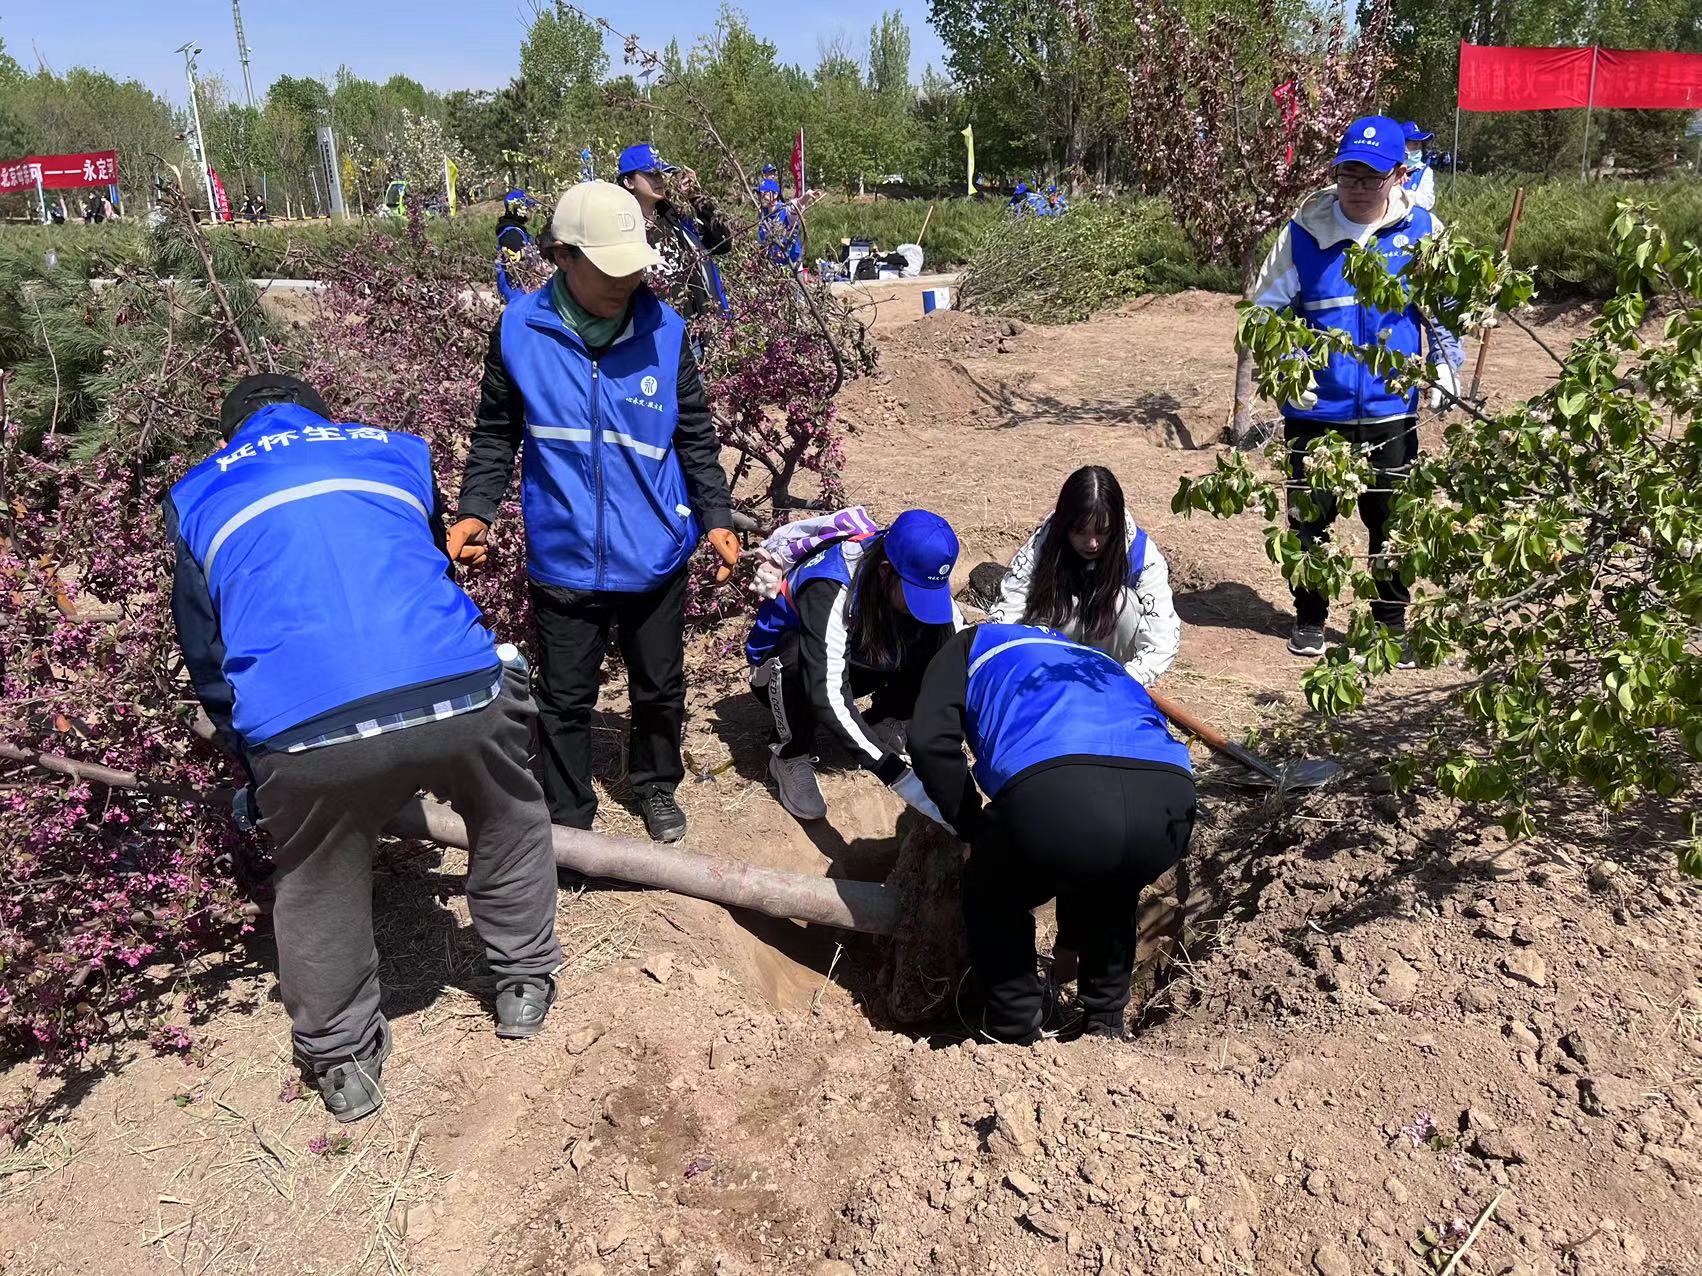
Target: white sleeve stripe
839, 679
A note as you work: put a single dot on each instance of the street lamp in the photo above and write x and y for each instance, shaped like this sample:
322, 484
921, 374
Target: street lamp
189, 51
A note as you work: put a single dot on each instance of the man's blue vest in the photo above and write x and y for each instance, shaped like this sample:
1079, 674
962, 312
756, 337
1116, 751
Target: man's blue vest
1415, 174
1035, 696
602, 490
316, 543
1348, 391
778, 616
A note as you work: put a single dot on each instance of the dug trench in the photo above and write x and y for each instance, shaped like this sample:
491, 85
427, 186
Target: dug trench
1368, 1021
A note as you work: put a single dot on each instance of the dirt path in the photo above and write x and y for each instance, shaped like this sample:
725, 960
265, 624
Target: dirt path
1386, 1020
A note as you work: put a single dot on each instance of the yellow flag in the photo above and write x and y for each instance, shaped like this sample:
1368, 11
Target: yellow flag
450, 172
969, 141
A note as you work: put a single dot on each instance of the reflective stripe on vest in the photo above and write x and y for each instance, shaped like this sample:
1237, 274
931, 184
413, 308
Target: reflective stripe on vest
301, 493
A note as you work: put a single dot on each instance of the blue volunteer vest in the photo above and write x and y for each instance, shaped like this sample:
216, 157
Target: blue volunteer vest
601, 488
1348, 391
1035, 696
778, 616
1415, 175
316, 543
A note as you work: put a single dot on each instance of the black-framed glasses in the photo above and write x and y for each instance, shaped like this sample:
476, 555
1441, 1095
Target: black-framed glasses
1362, 181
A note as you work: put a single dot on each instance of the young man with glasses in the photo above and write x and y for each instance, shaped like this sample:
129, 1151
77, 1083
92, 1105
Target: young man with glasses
1369, 206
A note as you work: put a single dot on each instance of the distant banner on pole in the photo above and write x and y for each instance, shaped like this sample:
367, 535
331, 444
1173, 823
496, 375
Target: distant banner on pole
969, 142
1287, 95
1497, 79
59, 172
798, 171
450, 173
1649, 81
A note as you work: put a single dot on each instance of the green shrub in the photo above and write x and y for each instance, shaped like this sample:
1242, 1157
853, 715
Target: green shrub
1061, 269
1564, 230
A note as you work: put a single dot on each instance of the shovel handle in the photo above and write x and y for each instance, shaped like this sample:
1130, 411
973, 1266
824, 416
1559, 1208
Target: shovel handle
1214, 739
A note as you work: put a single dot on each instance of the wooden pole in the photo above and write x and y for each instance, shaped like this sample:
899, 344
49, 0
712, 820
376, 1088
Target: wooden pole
923, 234
1506, 247
861, 906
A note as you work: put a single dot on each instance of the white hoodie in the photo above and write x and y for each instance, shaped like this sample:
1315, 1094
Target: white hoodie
1148, 631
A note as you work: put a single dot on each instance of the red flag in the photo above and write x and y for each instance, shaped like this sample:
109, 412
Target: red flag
219, 195
1287, 95
798, 166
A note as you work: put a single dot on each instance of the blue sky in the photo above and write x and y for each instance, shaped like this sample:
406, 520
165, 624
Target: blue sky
444, 44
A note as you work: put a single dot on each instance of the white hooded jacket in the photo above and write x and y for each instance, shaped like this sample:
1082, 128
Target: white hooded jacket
1148, 632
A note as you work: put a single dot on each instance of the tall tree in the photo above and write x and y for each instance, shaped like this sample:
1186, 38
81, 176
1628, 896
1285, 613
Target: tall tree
562, 51
889, 55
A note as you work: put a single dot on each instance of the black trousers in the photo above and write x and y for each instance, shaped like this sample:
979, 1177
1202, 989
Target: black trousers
787, 697
1090, 835
1394, 447
573, 636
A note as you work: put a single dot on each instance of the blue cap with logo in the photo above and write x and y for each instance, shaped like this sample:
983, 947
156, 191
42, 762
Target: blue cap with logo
769, 170
1413, 133
1375, 141
922, 549
769, 184
643, 158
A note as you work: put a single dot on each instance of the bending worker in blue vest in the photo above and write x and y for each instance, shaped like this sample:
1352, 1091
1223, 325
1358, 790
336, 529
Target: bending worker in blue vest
858, 614
1367, 205
619, 478
331, 648
1088, 800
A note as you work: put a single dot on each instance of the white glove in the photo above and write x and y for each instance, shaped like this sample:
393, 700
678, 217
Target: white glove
1446, 379
908, 787
1306, 400
768, 578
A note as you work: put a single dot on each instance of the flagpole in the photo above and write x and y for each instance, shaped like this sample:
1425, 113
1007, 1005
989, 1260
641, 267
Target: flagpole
41, 197
1589, 108
1454, 175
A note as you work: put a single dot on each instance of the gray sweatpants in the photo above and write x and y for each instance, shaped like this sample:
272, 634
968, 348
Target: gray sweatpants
324, 808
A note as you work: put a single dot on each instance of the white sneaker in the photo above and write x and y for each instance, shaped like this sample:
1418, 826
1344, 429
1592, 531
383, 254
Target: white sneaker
796, 786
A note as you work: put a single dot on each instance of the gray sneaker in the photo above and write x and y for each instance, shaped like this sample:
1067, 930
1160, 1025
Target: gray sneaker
795, 784
352, 1090
1307, 640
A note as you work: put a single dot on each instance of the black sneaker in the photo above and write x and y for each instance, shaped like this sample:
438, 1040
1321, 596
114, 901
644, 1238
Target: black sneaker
1406, 660
1306, 640
662, 816
1108, 1025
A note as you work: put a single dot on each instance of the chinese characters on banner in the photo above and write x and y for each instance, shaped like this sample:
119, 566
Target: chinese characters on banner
59, 172
219, 195
1515, 79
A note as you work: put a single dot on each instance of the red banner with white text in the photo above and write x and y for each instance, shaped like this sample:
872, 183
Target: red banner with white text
1496, 79
1528, 79
1648, 80
59, 172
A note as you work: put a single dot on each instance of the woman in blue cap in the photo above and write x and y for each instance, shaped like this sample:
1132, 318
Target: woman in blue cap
859, 615
686, 231
1420, 180
1089, 799
1368, 205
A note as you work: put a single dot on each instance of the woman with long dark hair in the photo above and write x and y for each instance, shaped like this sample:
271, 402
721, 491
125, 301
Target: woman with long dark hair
1089, 572
856, 614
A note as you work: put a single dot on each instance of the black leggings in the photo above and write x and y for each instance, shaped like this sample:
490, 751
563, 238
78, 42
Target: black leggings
1090, 835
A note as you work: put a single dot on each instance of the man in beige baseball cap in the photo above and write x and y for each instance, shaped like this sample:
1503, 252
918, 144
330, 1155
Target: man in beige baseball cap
620, 479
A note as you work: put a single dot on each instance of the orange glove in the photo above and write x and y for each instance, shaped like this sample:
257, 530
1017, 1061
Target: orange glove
726, 546
467, 541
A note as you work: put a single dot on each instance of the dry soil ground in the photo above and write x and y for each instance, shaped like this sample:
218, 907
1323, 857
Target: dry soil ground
1382, 1022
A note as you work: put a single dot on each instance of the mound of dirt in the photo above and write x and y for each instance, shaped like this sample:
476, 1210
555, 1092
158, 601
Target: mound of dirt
953, 334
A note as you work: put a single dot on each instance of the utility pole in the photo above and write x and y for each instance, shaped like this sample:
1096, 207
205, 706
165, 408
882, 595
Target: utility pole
242, 51
189, 51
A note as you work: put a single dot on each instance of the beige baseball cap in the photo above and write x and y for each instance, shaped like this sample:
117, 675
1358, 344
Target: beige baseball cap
605, 222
